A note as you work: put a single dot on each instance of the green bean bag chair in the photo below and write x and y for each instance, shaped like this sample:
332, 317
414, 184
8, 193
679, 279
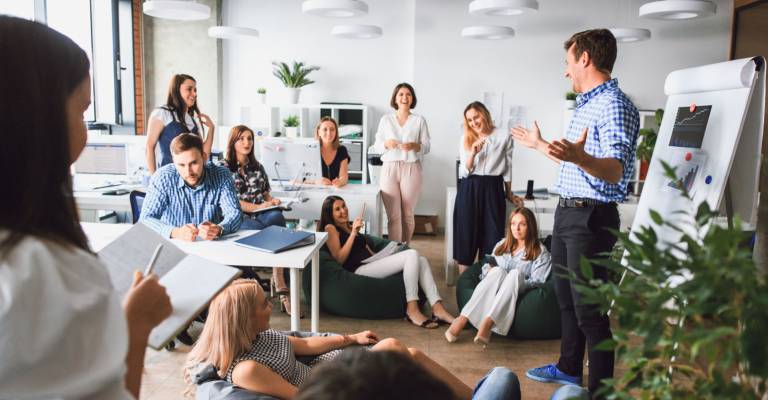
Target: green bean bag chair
348, 295
537, 315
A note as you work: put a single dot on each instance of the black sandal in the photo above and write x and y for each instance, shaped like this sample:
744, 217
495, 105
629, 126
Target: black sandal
439, 320
426, 324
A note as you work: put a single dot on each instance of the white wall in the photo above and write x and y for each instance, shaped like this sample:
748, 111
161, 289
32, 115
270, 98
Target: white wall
421, 44
182, 47
362, 71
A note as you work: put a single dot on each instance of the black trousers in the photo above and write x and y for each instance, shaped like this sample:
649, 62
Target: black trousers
478, 217
582, 232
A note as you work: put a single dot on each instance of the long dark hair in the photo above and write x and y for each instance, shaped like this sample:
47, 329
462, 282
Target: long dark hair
532, 244
326, 213
231, 157
175, 104
34, 125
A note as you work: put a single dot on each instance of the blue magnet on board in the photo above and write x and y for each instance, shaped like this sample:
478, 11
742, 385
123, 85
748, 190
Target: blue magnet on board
708, 179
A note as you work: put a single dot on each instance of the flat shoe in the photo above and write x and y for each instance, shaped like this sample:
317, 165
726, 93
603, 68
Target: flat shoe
451, 338
426, 324
482, 341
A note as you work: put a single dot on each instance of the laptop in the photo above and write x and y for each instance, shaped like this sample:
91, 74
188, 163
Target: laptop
276, 239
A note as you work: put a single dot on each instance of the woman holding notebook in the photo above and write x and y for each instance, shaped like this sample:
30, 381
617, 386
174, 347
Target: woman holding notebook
349, 248
64, 331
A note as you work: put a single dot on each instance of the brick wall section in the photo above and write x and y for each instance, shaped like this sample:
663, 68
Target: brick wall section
138, 63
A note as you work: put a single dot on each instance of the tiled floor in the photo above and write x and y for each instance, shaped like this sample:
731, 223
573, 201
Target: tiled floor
163, 372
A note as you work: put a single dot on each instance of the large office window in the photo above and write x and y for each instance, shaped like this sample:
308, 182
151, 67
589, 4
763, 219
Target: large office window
103, 29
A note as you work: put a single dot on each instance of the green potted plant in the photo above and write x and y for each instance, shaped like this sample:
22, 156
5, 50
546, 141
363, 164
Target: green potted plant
291, 125
570, 100
293, 78
262, 92
690, 319
647, 141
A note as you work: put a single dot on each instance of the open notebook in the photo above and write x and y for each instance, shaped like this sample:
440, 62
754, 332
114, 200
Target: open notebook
190, 281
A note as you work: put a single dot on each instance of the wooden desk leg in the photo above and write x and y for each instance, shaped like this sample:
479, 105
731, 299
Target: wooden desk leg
315, 324
295, 300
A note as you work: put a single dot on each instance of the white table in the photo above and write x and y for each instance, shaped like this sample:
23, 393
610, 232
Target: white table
224, 251
545, 216
89, 202
355, 195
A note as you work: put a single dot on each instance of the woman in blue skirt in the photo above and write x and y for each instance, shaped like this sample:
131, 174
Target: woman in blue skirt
485, 182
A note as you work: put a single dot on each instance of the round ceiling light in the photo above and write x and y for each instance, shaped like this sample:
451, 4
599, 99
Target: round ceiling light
231, 32
488, 32
678, 9
629, 35
334, 8
502, 8
356, 31
180, 10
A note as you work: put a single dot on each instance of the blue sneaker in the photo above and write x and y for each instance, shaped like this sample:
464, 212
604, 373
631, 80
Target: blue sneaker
550, 373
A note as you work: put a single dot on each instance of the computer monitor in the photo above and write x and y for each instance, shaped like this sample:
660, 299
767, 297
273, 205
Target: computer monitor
99, 158
289, 159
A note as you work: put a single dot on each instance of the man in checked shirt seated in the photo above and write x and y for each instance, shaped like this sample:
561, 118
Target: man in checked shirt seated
191, 198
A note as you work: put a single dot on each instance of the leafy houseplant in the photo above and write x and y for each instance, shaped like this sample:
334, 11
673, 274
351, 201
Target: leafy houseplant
293, 78
291, 124
691, 318
647, 143
570, 100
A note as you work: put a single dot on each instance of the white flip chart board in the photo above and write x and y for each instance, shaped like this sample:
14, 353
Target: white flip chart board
712, 130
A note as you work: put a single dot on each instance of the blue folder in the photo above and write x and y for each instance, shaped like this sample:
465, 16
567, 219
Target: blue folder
275, 239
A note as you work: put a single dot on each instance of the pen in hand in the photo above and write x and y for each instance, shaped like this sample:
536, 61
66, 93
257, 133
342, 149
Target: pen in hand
153, 260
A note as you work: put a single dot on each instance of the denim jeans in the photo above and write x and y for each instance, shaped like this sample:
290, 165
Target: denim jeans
263, 220
499, 384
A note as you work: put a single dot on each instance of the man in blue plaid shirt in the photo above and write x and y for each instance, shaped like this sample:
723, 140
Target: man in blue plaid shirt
596, 159
191, 198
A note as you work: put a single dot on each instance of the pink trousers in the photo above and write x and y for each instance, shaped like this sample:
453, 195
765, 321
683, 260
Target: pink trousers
400, 184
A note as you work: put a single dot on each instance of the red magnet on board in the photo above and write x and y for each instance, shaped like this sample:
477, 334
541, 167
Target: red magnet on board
693, 107
688, 156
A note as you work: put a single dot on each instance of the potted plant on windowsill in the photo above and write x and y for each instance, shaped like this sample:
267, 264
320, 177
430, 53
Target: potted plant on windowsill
293, 78
262, 94
647, 141
570, 100
291, 125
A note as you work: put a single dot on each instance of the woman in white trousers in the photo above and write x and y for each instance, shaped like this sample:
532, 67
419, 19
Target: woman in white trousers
519, 261
402, 139
349, 248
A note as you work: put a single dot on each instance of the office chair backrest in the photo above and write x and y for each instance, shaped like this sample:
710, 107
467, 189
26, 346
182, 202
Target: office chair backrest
137, 199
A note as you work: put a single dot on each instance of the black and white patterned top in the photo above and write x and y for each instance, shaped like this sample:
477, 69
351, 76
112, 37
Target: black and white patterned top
251, 181
273, 350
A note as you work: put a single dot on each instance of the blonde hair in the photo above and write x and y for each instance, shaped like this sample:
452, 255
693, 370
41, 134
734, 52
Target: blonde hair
336, 143
470, 136
228, 330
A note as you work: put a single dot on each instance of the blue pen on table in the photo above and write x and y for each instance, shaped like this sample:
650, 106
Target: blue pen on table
153, 260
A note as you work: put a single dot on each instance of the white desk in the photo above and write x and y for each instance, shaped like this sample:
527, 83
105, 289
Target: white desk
545, 216
353, 194
224, 251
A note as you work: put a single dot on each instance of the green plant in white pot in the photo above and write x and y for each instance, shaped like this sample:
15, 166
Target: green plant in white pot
293, 78
262, 94
291, 125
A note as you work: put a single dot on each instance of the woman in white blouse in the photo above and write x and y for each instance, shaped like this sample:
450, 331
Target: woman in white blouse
63, 333
402, 139
519, 261
485, 179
